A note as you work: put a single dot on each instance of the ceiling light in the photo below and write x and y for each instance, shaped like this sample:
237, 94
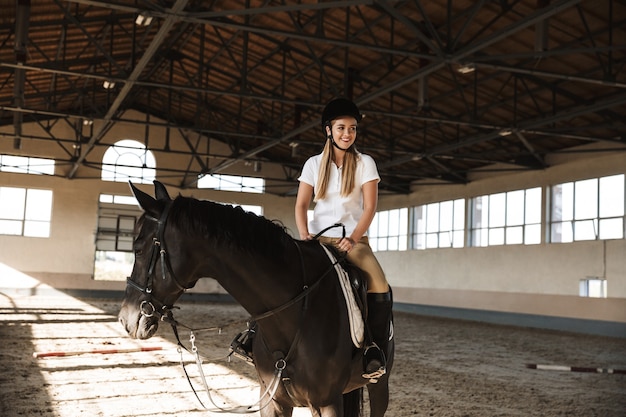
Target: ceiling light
294, 149
505, 132
466, 69
87, 122
108, 84
143, 20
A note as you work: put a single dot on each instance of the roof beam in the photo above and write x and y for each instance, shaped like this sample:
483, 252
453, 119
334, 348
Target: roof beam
547, 74
228, 12
525, 126
151, 50
458, 56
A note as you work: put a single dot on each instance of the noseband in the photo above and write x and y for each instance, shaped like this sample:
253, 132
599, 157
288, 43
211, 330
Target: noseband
158, 251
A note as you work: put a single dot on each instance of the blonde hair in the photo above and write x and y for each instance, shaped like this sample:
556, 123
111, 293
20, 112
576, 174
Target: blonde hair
348, 170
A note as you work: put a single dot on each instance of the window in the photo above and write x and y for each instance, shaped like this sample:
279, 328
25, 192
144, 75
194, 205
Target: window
25, 212
118, 199
438, 225
507, 218
128, 160
26, 165
588, 210
232, 183
593, 287
258, 210
388, 230
117, 216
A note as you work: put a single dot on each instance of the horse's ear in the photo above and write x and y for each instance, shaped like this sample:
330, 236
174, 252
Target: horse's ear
147, 202
160, 191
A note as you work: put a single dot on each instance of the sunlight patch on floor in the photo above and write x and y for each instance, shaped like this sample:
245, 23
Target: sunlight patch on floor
139, 383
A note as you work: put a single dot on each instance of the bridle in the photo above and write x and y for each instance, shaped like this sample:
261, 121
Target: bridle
158, 251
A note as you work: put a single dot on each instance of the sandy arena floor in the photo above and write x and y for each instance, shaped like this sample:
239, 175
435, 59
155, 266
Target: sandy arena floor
443, 367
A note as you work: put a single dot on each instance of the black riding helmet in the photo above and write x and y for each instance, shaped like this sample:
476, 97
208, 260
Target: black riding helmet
340, 107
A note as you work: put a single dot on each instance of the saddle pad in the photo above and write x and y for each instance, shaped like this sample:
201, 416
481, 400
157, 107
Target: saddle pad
357, 327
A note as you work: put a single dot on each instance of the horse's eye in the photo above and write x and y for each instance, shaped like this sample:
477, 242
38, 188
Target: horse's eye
138, 252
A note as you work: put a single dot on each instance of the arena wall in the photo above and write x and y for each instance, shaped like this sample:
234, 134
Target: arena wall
534, 285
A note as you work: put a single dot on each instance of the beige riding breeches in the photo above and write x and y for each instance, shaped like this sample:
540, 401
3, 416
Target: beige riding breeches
362, 256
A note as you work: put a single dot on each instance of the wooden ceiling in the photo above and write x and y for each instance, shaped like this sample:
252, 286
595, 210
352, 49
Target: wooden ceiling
448, 87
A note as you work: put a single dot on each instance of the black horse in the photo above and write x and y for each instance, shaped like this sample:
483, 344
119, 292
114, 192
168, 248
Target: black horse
289, 285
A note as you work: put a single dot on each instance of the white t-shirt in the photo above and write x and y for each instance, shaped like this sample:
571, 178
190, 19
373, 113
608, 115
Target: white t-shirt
334, 208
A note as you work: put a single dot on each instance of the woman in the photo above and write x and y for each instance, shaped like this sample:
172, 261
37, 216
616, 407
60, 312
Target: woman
344, 186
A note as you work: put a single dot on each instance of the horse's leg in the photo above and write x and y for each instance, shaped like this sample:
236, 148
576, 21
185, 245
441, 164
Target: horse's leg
333, 410
276, 410
270, 407
315, 412
379, 396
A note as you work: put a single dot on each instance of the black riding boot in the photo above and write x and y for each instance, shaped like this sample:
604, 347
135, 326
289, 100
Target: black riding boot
378, 322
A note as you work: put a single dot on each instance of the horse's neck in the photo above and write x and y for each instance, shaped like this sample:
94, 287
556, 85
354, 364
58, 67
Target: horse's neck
257, 283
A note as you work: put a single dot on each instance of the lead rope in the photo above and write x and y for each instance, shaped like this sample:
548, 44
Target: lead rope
270, 391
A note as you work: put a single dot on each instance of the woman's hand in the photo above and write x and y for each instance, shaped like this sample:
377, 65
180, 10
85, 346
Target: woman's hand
346, 244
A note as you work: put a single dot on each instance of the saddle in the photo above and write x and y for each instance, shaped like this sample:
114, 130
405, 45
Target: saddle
358, 283
357, 279
354, 287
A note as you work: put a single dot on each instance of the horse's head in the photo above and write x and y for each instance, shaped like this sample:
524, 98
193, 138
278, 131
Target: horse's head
153, 287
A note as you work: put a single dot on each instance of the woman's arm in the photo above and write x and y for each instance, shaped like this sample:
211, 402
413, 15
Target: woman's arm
370, 202
303, 202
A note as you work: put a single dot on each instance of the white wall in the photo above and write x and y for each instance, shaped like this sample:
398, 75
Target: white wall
537, 279
66, 259
528, 279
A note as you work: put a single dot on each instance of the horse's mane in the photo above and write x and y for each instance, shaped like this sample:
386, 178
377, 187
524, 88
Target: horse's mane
229, 226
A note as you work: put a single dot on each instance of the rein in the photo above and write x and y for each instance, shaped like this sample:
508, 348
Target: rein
306, 289
343, 230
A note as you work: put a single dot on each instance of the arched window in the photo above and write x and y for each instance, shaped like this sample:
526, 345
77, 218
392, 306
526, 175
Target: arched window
128, 160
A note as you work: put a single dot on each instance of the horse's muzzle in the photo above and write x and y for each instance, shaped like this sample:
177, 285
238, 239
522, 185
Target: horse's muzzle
142, 327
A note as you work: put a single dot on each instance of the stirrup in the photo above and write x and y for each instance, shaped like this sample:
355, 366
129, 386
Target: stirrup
373, 356
241, 346
374, 376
